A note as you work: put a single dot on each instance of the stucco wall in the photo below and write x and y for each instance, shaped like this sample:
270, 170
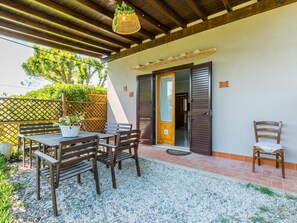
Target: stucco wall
257, 55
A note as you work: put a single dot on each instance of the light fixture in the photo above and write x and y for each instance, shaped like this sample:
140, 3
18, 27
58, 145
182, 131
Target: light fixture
125, 20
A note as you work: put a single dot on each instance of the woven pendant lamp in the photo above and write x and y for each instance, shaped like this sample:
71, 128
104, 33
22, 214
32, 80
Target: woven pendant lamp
125, 20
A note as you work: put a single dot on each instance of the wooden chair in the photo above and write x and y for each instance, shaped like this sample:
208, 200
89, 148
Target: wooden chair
73, 159
114, 128
33, 129
125, 140
270, 131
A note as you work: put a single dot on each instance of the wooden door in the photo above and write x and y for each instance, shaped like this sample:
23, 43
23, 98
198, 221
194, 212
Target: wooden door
166, 108
145, 108
201, 114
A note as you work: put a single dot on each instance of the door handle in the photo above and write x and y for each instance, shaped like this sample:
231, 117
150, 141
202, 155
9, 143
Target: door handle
209, 113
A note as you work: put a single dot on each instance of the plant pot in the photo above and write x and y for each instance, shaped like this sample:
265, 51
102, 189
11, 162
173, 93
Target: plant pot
6, 149
69, 131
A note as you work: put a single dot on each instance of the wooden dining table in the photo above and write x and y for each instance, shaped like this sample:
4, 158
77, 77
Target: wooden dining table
52, 140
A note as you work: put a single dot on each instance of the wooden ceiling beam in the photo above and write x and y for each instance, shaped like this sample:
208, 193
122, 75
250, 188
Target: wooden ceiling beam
149, 19
59, 31
197, 9
81, 17
18, 5
105, 12
250, 10
35, 32
227, 5
169, 13
36, 40
110, 15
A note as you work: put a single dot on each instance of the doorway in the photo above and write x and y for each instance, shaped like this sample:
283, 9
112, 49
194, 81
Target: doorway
173, 90
195, 102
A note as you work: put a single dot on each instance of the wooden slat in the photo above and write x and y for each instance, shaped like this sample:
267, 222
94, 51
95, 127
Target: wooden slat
165, 9
194, 5
227, 5
19, 6
59, 7
144, 108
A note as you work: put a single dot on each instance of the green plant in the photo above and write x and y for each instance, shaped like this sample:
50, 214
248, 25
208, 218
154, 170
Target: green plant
71, 120
264, 209
6, 190
290, 197
122, 10
263, 190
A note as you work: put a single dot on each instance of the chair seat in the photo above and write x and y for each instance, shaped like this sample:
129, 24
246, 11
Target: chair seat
68, 171
268, 147
120, 156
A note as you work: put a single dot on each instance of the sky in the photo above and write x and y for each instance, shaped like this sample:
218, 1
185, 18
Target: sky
12, 55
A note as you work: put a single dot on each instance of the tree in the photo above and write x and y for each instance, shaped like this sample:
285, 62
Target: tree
58, 66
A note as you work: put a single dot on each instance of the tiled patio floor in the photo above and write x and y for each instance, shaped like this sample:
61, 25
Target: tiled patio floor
267, 176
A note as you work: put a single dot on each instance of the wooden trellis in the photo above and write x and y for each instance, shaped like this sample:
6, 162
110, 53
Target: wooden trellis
14, 111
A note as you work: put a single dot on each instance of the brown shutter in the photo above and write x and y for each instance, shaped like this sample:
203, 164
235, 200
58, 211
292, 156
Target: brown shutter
145, 108
201, 109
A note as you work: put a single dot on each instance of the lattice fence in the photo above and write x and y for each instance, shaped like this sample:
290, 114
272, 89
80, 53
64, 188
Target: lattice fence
14, 111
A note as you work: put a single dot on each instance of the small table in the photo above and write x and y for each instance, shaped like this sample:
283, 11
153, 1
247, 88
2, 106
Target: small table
54, 139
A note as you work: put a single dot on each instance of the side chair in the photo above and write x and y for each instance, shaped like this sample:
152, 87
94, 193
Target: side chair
269, 132
75, 157
116, 153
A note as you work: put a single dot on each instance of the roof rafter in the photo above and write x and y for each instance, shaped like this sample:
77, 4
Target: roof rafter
35, 32
61, 31
40, 41
84, 18
20, 7
247, 11
227, 5
170, 14
197, 9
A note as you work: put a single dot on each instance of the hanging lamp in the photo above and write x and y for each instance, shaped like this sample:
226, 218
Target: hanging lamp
125, 20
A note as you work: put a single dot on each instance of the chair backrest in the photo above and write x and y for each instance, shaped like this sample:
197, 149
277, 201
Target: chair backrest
268, 130
38, 128
113, 128
127, 140
76, 150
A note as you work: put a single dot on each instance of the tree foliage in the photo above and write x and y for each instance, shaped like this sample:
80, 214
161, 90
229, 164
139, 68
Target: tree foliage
76, 92
58, 66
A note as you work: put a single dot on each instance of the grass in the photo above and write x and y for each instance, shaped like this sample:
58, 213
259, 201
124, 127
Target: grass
259, 220
6, 190
263, 190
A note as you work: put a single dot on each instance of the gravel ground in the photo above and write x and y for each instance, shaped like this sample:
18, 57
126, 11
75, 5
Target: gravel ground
164, 193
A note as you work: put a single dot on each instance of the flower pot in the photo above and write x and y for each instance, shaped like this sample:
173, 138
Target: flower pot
69, 131
5, 149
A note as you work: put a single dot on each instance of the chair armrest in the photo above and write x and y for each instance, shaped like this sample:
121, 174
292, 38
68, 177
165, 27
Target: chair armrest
47, 158
107, 145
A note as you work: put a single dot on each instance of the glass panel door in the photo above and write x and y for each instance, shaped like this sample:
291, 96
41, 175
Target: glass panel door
166, 108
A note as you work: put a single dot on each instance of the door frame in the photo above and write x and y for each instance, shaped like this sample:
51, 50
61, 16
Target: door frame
154, 75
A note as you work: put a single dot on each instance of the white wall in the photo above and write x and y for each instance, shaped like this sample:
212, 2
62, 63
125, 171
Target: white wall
257, 55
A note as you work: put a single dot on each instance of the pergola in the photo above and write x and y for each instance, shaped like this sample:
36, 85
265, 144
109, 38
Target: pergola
85, 26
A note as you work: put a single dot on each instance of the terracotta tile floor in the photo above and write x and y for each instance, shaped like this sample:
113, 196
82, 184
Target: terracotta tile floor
267, 176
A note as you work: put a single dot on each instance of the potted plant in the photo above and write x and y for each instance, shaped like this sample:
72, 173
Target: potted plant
70, 125
125, 20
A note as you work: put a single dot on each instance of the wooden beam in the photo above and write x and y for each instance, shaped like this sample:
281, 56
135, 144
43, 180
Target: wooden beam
18, 5
81, 17
110, 15
197, 9
55, 29
48, 36
36, 40
149, 19
227, 5
165, 9
250, 10
105, 12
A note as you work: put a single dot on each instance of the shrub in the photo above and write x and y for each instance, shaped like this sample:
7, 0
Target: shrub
73, 92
